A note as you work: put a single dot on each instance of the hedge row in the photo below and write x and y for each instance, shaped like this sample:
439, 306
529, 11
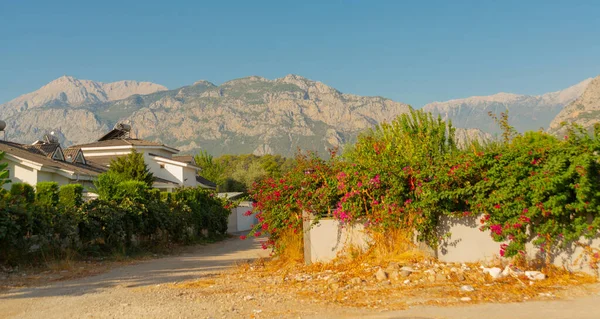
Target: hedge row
51, 221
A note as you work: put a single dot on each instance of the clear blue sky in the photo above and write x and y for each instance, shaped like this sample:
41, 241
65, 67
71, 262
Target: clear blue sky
411, 51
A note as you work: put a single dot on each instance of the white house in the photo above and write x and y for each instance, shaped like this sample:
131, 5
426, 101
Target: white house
46, 161
169, 171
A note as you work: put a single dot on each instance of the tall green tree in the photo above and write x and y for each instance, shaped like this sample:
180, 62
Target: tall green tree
211, 169
132, 167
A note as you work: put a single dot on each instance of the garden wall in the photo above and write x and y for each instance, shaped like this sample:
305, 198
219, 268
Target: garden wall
464, 243
238, 221
323, 241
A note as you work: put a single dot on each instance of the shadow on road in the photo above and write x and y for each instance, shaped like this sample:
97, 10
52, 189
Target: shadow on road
201, 261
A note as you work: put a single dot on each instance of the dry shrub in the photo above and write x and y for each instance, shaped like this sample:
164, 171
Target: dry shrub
290, 249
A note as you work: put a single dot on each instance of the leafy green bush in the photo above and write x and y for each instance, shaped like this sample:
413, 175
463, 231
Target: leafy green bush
22, 192
136, 191
408, 173
46, 193
71, 195
106, 184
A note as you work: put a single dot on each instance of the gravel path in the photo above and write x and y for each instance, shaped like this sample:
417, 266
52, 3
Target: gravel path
147, 290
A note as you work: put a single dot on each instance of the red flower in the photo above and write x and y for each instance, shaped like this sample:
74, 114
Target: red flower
265, 226
257, 234
248, 213
242, 237
497, 206
496, 229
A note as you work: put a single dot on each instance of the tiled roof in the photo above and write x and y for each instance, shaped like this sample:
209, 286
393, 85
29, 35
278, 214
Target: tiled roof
70, 153
24, 152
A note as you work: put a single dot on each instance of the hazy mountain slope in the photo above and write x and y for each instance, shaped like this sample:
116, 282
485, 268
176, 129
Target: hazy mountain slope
248, 115
584, 111
68, 91
526, 112
257, 115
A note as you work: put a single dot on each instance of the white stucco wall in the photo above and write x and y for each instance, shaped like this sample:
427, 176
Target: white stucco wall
20, 174
238, 221
118, 151
170, 172
325, 240
464, 243
189, 176
52, 177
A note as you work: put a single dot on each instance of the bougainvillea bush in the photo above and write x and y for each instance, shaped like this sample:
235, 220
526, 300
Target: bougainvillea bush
409, 173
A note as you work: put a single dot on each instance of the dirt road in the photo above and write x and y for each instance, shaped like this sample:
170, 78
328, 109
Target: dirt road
149, 290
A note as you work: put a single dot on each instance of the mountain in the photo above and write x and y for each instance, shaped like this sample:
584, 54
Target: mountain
68, 91
59, 106
526, 112
248, 115
584, 111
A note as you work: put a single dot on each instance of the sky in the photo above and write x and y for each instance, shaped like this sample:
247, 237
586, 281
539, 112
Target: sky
410, 51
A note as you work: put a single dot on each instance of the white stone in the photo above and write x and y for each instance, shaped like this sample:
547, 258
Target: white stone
535, 275
467, 288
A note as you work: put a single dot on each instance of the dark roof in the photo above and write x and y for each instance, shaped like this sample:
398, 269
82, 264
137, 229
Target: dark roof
188, 159
205, 183
101, 161
114, 134
120, 142
45, 149
24, 151
164, 181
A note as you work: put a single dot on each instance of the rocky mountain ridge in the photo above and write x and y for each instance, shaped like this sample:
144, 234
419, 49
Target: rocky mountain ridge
526, 112
584, 111
250, 115
68, 91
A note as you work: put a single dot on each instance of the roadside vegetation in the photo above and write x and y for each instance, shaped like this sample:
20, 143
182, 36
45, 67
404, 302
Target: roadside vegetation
48, 222
401, 177
237, 173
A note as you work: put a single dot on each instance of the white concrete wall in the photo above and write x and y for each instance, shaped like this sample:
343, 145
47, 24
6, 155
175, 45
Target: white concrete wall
245, 222
325, 240
464, 243
237, 221
232, 221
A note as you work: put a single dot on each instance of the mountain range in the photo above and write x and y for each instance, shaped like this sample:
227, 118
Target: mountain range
260, 116
526, 112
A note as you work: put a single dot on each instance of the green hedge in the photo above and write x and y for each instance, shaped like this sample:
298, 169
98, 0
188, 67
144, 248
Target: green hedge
71, 195
46, 193
23, 192
137, 218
